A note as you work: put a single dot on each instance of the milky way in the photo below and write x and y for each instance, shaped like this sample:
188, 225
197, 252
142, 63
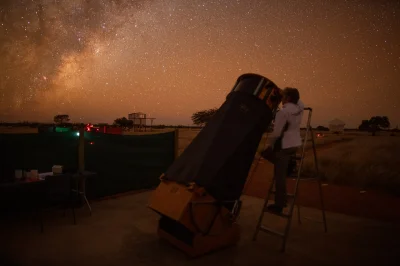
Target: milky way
99, 60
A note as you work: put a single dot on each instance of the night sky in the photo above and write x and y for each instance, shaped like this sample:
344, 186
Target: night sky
99, 60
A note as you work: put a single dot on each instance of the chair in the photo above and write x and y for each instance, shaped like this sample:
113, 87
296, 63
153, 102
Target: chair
58, 193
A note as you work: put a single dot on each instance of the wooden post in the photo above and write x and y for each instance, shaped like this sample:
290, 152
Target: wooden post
176, 143
80, 182
81, 150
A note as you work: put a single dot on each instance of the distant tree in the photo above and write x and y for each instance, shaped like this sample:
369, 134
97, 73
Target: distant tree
202, 117
364, 125
61, 119
375, 124
378, 123
123, 122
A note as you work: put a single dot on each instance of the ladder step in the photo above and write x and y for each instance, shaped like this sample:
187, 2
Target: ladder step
271, 231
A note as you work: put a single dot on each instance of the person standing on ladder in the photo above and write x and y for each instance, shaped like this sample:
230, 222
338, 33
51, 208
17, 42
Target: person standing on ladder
283, 143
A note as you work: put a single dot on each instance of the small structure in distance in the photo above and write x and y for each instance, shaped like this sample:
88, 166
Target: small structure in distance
336, 126
140, 121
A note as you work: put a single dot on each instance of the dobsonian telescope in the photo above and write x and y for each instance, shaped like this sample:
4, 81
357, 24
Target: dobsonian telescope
198, 197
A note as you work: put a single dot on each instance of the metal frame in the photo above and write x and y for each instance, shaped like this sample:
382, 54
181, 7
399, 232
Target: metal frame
289, 215
80, 189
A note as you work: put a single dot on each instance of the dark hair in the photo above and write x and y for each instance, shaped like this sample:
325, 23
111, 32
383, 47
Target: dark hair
293, 94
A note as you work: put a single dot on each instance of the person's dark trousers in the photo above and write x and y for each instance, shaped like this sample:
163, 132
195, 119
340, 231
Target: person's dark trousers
281, 159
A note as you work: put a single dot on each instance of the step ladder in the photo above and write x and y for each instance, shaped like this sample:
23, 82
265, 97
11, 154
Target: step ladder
288, 215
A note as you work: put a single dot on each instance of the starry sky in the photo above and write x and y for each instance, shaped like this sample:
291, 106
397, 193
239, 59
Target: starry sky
97, 60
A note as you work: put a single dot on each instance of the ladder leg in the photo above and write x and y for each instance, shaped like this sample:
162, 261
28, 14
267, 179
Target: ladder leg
290, 214
286, 233
260, 219
319, 182
297, 203
298, 209
289, 221
298, 214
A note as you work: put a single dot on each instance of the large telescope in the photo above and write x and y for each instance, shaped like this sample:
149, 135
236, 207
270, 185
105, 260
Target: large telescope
198, 197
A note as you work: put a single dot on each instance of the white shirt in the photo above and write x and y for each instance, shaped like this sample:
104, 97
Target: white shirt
292, 113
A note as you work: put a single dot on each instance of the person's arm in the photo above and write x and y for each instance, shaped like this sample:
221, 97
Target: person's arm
280, 122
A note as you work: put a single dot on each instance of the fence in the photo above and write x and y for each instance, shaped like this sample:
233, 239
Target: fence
122, 163
125, 163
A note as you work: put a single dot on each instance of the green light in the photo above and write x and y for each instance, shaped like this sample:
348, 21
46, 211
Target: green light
77, 133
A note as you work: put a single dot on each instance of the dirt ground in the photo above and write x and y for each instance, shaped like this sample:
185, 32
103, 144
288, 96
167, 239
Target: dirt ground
123, 232
340, 199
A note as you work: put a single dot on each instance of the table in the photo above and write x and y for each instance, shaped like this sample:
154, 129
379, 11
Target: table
80, 178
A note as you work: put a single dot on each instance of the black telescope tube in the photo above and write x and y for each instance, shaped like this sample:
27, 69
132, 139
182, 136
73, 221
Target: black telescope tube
220, 156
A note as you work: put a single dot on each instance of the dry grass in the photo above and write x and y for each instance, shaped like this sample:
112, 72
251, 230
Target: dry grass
326, 140
365, 162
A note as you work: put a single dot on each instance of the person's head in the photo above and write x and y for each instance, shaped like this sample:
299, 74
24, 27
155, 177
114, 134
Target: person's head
290, 95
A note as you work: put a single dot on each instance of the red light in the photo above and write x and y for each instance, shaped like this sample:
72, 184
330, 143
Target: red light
91, 143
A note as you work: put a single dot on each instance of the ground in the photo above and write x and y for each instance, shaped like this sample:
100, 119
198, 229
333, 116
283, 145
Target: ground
123, 232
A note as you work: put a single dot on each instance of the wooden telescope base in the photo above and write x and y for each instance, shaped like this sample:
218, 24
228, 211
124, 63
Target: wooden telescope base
192, 220
197, 244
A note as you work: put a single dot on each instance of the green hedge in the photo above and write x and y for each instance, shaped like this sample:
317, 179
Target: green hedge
122, 163
125, 163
